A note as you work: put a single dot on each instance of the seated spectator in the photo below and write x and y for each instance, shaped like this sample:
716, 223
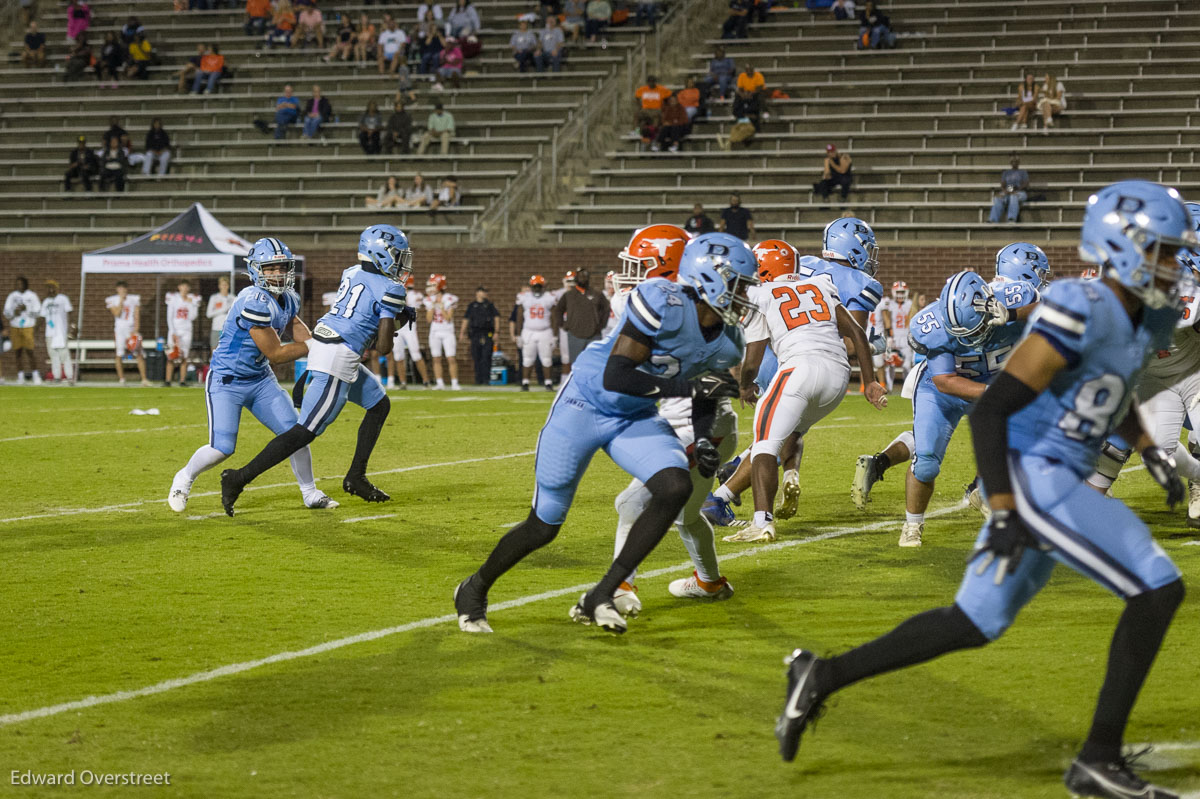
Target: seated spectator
114, 163
1052, 101
212, 66
79, 59
391, 47
318, 111
343, 45
842, 9
463, 20
699, 222
283, 23
523, 43
874, 28
310, 23
649, 102
441, 125
691, 99
1027, 101
759, 10
737, 24
115, 129
549, 54
419, 194
112, 58
188, 73
79, 19
451, 63
365, 41
158, 148
448, 196
675, 126
1014, 182
597, 15
287, 111
83, 165
471, 46
647, 13
258, 14
837, 171
389, 195
430, 44
405, 93
141, 56
397, 136
737, 220
369, 126
749, 106
720, 72
130, 30
573, 17
34, 53
752, 81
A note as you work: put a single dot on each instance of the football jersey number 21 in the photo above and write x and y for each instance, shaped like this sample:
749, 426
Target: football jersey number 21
801, 304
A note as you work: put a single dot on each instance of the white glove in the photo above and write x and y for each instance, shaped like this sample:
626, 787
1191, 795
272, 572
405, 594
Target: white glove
998, 314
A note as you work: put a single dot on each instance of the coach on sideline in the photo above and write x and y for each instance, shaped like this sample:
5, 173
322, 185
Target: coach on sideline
586, 313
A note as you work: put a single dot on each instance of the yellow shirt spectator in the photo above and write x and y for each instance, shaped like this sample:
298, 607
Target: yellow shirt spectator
751, 81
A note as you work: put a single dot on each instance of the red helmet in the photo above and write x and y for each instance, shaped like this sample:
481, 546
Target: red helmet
438, 282
537, 280
899, 291
654, 251
775, 258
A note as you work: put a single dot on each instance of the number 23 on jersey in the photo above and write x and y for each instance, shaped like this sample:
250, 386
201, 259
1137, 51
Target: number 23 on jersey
801, 304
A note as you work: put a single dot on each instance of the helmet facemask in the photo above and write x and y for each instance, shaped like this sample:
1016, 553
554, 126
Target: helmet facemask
277, 277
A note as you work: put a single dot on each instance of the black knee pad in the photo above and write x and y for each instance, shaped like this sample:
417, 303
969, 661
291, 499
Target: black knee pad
672, 487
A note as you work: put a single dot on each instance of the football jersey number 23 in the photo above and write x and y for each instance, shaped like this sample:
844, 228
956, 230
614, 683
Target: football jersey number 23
801, 304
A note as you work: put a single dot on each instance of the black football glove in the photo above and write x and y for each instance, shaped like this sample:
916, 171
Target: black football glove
407, 317
1162, 468
708, 460
715, 385
1007, 537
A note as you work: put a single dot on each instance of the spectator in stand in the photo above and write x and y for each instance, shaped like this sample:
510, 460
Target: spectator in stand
369, 126
441, 125
1014, 182
430, 43
79, 19
218, 311
699, 222
1027, 101
83, 165
21, 312
581, 312
212, 67
55, 309
752, 81
405, 93
451, 63
397, 136
258, 14
115, 129
158, 147
191, 68
597, 15
720, 72
419, 194
691, 100
114, 163
737, 23
365, 41
448, 196
130, 30
550, 50
874, 28
310, 23
79, 59
392, 43
649, 103
837, 171
573, 15
112, 58
736, 220
675, 126
141, 56
748, 107
287, 111
343, 44
388, 196
283, 23
317, 111
463, 20
1052, 101
479, 324
34, 53
842, 9
523, 44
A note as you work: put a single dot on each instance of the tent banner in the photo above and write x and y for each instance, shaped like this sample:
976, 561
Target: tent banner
159, 264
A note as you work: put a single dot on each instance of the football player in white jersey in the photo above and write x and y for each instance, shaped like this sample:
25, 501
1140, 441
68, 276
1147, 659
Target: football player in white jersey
534, 329
439, 312
182, 309
406, 341
126, 309
896, 311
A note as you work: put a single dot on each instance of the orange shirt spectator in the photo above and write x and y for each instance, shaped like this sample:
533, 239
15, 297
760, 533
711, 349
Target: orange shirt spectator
212, 62
751, 80
258, 8
652, 95
689, 97
285, 20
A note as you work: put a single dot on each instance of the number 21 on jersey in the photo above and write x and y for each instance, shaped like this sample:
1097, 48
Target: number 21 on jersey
801, 304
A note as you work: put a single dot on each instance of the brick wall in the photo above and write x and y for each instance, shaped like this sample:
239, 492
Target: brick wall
503, 271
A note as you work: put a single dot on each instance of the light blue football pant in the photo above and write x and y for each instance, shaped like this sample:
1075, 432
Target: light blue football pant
935, 417
326, 395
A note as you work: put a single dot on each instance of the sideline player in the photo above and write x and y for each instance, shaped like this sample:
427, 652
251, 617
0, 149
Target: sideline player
241, 375
407, 341
126, 309
439, 312
1037, 432
370, 298
895, 312
670, 334
533, 329
183, 307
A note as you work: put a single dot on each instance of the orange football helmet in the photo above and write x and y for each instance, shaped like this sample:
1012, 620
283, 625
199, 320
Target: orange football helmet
436, 282
654, 251
537, 280
899, 291
569, 279
133, 344
775, 258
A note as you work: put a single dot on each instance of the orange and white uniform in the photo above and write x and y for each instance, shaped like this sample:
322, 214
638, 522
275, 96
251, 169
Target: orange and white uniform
537, 334
901, 314
123, 323
441, 327
181, 317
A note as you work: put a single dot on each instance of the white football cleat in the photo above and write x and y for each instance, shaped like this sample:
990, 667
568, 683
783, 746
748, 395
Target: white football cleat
910, 534
1193, 514
319, 500
604, 616
181, 489
695, 588
626, 601
866, 474
790, 502
752, 533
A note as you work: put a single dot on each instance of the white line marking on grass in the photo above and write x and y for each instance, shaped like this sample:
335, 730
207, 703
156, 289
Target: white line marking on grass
1190, 544
104, 432
200, 516
369, 518
373, 635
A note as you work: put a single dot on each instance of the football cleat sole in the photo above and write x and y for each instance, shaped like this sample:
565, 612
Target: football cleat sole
790, 502
864, 480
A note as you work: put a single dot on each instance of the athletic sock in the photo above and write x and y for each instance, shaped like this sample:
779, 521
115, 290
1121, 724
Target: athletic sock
529, 535
914, 518
724, 493
277, 451
368, 433
301, 461
762, 518
202, 460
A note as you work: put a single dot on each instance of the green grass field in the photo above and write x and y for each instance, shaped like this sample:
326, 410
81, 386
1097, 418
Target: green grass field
105, 590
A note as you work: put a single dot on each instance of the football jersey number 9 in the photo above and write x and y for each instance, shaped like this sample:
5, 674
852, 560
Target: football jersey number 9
1095, 403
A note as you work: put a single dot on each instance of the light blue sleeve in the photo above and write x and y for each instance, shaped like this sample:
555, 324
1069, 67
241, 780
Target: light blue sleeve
392, 302
941, 363
259, 309
1016, 293
1062, 315
651, 304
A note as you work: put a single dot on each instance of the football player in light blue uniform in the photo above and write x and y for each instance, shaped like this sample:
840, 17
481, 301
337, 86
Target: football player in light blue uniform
1037, 432
668, 338
370, 298
240, 375
1023, 262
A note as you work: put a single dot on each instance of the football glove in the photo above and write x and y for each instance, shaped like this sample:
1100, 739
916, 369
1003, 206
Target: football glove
997, 312
708, 460
715, 385
407, 318
879, 344
1007, 537
1162, 468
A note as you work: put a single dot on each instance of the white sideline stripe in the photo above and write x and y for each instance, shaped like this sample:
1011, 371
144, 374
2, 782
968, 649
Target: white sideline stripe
369, 518
104, 432
110, 508
328, 646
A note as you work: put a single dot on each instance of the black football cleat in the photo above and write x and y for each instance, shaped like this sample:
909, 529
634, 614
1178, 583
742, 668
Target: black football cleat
471, 604
231, 489
358, 485
804, 704
1113, 780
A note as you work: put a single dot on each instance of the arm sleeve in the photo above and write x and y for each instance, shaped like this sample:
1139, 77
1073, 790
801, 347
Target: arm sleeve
622, 375
392, 302
704, 414
989, 429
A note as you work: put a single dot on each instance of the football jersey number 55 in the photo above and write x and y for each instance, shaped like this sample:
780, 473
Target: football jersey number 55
801, 304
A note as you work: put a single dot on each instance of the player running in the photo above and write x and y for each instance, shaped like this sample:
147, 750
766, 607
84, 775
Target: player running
534, 330
241, 377
370, 298
1037, 432
670, 335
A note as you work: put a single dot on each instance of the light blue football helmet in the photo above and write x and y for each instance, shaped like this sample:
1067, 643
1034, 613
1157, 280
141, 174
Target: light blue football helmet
1190, 259
266, 252
1194, 210
962, 298
720, 267
1023, 261
386, 248
1132, 230
851, 240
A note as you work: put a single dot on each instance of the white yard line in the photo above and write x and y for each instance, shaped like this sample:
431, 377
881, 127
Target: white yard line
373, 635
104, 432
369, 518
